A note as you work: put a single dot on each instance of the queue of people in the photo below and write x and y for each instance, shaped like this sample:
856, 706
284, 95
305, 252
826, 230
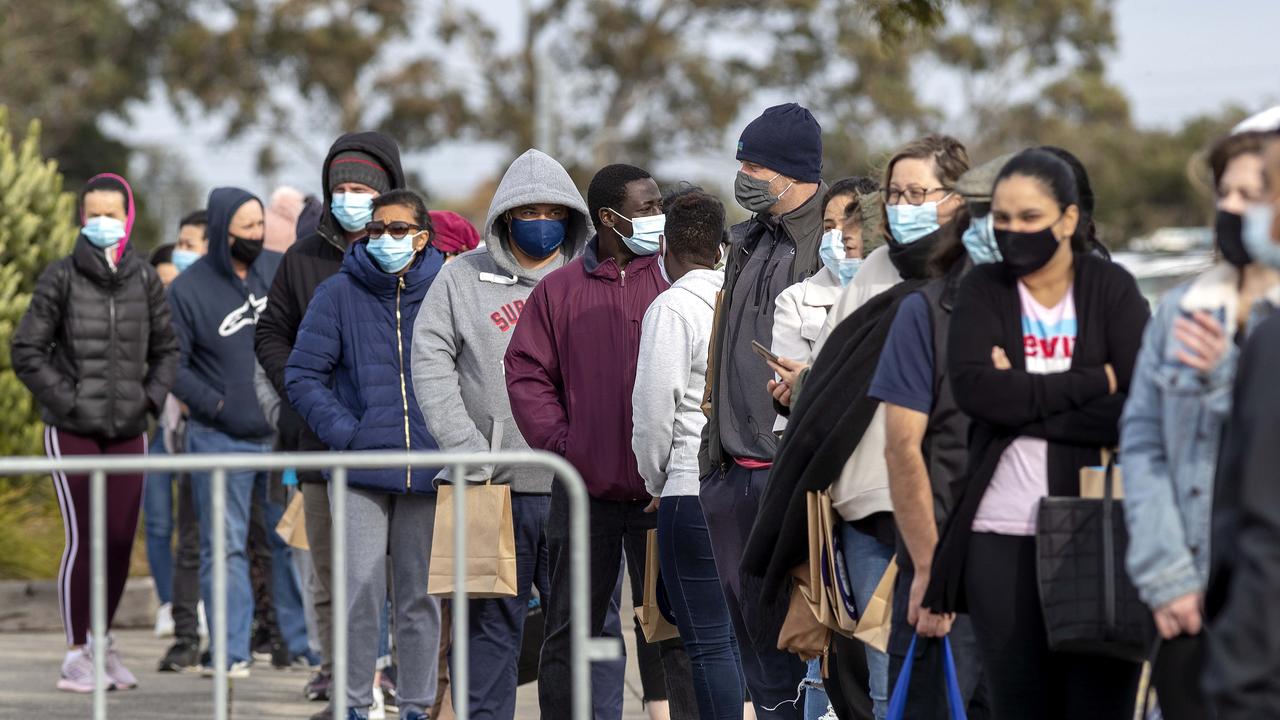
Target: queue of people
712, 384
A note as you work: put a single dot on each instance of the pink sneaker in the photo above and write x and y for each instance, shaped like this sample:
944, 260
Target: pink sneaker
117, 673
77, 672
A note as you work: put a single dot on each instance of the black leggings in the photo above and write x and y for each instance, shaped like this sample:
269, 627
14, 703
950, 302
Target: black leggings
1026, 679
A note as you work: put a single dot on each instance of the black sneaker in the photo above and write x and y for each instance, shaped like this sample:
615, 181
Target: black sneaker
317, 688
182, 656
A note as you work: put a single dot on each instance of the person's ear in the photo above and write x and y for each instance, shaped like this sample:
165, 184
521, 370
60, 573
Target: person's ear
421, 241
607, 218
1070, 221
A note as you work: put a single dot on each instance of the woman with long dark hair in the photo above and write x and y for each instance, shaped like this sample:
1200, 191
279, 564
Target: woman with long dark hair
1050, 337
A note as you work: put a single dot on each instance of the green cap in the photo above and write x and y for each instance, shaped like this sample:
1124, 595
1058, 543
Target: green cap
977, 183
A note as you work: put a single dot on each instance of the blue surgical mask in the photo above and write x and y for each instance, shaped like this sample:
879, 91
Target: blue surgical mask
1258, 220
645, 232
538, 238
831, 251
103, 231
392, 254
183, 259
980, 240
352, 210
908, 223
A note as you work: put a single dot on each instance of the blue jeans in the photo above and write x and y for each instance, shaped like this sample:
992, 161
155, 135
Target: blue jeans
816, 701
240, 487
730, 503
157, 508
866, 559
286, 595
697, 601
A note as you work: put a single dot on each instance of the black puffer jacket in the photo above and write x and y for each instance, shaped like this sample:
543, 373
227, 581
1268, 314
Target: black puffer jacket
96, 348
314, 258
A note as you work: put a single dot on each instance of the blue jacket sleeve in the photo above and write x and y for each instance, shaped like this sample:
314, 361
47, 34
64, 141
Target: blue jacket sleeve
190, 388
308, 375
1159, 561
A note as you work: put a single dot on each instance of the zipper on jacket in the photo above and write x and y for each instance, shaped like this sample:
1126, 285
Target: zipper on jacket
623, 275
111, 361
760, 288
404, 395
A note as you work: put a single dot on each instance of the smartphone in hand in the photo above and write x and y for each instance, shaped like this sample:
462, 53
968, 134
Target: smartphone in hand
763, 352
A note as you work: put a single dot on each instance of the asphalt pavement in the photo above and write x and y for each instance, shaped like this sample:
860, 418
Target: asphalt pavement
29, 664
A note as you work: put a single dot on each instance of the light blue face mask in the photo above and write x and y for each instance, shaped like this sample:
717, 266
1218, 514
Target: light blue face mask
1257, 235
909, 223
104, 231
831, 251
392, 254
645, 232
183, 259
352, 210
980, 240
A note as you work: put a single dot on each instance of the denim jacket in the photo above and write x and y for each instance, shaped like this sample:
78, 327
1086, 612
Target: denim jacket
1169, 439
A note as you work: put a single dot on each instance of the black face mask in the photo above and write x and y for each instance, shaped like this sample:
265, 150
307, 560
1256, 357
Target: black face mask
1229, 230
246, 250
1026, 252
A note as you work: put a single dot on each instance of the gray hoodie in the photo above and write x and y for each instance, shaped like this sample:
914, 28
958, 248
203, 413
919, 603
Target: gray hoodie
468, 315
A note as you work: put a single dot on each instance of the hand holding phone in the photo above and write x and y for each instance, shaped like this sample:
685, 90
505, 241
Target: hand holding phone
763, 352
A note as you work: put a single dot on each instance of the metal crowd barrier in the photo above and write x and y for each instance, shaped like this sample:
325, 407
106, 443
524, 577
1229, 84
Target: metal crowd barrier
584, 649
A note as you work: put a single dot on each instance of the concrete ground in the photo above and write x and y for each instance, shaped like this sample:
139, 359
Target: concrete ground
29, 665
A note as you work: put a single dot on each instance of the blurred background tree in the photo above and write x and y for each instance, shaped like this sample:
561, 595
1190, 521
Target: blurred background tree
35, 229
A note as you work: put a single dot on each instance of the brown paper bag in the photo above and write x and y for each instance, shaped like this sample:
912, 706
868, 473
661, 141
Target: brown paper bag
874, 624
1093, 480
810, 584
491, 543
292, 527
843, 614
802, 633
656, 628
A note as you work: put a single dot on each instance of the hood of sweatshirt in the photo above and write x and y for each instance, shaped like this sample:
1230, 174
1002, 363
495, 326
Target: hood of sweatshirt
383, 149
703, 283
223, 204
534, 177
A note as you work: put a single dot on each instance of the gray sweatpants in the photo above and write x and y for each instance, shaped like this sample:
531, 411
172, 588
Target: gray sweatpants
399, 525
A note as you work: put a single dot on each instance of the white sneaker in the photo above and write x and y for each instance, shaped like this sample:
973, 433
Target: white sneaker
116, 671
378, 710
164, 621
77, 672
237, 670
202, 619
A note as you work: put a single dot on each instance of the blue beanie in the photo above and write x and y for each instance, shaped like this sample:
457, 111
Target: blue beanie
785, 139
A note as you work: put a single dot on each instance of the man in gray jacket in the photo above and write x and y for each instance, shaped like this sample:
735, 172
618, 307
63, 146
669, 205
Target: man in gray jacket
537, 222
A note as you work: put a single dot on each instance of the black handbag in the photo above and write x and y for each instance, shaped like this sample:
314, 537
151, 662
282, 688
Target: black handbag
535, 628
1088, 602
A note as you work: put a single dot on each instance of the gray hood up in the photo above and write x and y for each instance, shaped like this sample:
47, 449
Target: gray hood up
534, 178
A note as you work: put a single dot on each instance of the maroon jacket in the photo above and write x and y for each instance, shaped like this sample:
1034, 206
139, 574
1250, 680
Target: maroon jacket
571, 366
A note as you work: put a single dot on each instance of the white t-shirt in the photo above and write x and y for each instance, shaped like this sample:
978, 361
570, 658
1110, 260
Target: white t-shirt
1022, 475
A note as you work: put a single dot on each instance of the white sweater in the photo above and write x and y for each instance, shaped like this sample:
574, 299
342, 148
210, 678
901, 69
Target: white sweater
671, 375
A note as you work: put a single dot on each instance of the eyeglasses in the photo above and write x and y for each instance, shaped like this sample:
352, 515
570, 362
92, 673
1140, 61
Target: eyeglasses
397, 230
913, 195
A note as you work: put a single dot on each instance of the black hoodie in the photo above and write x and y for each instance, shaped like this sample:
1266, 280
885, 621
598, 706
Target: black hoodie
214, 312
310, 261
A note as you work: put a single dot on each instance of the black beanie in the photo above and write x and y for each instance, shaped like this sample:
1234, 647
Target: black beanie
356, 166
785, 139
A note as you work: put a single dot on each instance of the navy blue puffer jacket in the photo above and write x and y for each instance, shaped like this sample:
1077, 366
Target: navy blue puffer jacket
349, 373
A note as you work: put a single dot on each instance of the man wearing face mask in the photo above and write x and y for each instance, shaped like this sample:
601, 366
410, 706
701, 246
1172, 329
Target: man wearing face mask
537, 223
216, 304
570, 372
780, 182
360, 167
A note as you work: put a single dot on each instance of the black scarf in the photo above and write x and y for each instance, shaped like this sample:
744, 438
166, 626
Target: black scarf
825, 427
912, 259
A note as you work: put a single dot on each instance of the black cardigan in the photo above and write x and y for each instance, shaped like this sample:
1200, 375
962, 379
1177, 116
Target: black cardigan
1072, 410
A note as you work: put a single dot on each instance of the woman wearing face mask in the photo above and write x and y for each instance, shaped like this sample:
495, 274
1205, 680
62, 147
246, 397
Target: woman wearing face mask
1172, 426
1042, 367
97, 350
349, 379
801, 309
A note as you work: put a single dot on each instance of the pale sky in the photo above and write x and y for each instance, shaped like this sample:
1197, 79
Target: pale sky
1176, 59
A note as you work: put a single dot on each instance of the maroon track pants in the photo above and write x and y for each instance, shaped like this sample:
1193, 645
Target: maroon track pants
124, 500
